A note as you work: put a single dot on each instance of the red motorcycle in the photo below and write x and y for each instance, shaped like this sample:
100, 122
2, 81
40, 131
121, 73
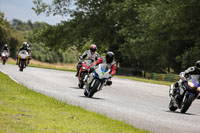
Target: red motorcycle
84, 70
4, 56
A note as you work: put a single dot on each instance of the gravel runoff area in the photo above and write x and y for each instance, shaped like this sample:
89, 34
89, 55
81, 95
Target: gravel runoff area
142, 105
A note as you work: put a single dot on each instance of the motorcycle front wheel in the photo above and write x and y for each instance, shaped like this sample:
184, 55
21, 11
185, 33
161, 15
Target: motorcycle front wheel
81, 82
4, 62
93, 90
186, 103
22, 65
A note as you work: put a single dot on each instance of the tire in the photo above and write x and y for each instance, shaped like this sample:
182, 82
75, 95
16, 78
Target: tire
171, 106
94, 88
4, 62
22, 65
186, 103
81, 84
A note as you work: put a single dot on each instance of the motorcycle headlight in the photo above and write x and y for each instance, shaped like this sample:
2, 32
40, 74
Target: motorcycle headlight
191, 84
83, 68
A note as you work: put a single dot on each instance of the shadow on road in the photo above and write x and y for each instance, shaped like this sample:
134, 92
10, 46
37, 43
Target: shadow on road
95, 98
76, 88
176, 112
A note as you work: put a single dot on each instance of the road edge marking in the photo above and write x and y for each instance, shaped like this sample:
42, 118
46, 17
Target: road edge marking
10, 76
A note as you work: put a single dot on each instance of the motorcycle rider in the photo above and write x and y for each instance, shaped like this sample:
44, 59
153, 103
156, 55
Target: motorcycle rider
5, 47
194, 70
24, 47
30, 53
90, 54
110, 62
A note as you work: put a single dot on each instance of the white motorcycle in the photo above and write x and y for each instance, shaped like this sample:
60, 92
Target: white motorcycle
100, 78
23, 57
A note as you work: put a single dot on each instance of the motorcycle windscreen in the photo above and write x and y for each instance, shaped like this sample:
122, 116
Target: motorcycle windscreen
88, 62
104, 67
196, 80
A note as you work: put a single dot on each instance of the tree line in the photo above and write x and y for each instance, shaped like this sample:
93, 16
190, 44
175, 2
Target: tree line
15, 32
151, 35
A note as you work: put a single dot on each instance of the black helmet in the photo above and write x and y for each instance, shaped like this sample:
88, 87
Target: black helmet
109, 57
25, 45
197, 64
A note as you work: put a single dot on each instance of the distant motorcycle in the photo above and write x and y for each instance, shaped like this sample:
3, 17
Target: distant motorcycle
101, 75
23, 57
84, 70
186, 94
4, 56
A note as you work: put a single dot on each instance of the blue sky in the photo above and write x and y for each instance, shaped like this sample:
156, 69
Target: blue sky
21, 9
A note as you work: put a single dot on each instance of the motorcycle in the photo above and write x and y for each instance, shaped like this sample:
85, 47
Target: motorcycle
101, 75
4, 56
23, 57
84, 70
186, 94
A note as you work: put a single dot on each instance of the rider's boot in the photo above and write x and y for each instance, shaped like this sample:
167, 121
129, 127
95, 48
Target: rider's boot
77, 73
109, 82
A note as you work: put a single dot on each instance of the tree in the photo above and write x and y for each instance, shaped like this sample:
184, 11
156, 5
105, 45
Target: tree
149, 35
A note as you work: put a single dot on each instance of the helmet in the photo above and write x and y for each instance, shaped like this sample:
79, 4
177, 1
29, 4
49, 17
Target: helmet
25, 44
109, 57
197, 64
6, 45
93, 48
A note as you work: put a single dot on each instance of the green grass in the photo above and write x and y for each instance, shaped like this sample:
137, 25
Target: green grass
44, 66
23, 110
47, 67
146, 80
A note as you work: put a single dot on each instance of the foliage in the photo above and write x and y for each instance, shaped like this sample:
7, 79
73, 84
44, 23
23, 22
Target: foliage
147, 35
51, 48
4, 31
9, 36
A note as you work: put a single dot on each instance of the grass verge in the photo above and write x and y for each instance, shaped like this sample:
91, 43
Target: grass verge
146, 80
23, 110
57, 66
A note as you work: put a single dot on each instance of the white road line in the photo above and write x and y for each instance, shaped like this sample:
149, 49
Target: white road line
10, 76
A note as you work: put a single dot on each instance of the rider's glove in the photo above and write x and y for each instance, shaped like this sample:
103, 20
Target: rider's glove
81, 58
92, 60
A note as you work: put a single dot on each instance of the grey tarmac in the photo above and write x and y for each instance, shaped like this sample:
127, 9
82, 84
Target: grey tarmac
142, 105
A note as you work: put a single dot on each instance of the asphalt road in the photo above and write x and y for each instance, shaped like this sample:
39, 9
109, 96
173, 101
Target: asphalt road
142, 105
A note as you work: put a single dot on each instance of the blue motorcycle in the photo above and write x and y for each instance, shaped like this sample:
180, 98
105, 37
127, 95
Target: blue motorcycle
186, 94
